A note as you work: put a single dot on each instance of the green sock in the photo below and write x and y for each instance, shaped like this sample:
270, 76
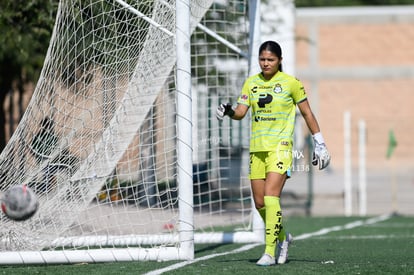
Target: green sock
262, 212
282, 234
273, 223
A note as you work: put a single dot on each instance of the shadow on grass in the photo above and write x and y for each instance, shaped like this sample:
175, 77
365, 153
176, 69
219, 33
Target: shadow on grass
291, 260
210, 248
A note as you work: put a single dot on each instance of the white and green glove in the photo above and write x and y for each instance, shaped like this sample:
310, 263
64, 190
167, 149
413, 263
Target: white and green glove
320, 152
224, 110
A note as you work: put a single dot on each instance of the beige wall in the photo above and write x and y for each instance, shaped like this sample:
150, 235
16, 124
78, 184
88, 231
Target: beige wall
362, 61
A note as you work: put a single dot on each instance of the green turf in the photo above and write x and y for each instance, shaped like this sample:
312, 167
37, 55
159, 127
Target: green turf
381, 248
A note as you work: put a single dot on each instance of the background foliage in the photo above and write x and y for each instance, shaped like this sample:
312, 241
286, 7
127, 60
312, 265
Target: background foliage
25, 30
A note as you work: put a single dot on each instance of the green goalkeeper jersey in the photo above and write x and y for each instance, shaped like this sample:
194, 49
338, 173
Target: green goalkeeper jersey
273, 106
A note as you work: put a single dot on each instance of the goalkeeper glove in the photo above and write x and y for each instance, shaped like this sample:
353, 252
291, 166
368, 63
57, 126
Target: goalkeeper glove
320, 152
224, 110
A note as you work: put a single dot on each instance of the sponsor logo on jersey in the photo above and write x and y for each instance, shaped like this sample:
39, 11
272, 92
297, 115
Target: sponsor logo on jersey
261, 118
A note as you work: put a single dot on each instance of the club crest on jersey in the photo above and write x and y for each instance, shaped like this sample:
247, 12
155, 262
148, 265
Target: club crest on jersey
277, 89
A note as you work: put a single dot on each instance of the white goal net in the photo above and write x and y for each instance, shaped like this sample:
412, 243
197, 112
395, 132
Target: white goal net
98, 141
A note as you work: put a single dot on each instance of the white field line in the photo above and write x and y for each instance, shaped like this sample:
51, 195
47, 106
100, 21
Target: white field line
321, 232
367, 237
351, 225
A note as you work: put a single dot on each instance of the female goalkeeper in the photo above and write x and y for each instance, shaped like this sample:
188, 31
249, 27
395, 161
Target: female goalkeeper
273, 96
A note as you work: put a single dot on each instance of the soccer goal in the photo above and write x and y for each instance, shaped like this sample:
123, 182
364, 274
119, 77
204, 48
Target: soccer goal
120, 141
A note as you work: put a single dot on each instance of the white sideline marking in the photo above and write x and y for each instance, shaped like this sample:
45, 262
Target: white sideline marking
323, 231
368, 237
178, 265
351, 225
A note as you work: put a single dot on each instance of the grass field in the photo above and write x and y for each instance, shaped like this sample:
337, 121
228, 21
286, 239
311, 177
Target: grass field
323, 245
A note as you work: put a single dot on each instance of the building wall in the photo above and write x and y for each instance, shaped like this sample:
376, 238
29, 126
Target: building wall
360, 60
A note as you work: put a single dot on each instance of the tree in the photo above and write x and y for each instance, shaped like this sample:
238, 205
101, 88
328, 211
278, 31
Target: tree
25, 27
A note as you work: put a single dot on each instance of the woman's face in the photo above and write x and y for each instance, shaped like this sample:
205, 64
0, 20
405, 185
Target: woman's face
269, 64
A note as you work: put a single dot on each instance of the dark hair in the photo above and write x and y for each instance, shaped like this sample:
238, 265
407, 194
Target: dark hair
273, 47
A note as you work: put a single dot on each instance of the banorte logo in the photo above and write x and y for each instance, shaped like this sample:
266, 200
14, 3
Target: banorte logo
261, 118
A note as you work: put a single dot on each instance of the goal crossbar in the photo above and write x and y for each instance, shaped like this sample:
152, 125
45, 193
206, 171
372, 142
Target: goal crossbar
143, 16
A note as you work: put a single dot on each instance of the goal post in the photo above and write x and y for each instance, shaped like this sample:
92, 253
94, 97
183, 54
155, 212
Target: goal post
120, 140
184, 130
